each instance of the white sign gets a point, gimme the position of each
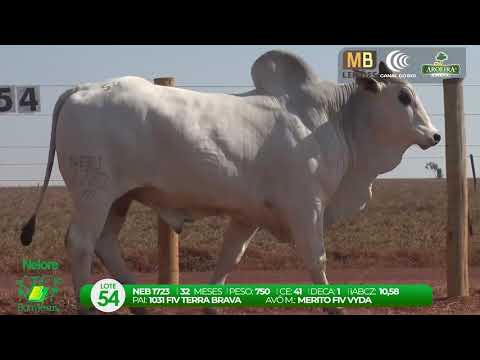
(7, 99)
(22, 99)
(28, 98)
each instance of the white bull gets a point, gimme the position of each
(292, 156)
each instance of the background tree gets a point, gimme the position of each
(435, 168)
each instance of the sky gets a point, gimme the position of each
(24, 139)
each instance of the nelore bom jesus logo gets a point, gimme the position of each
(39, 265)
(37, 293)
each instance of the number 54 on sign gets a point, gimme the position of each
(22, 99)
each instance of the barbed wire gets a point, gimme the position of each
(30, 180)
(46, 146)
(24, 146)
(209, 85)
(50, 115)
(404, 158)
(465, 114)
(23, 164)
(180, 86)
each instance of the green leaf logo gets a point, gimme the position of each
(38, 293)
(441, 57)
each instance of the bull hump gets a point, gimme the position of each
(87, 93)
(124, 82)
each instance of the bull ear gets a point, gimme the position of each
(367, 82)
(383, 68)
(279, 72)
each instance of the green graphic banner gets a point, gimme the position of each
(268, 295)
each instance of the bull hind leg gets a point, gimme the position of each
(87, 224)
(235, 242)
(108, 247)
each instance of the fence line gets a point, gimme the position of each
(186, 86)
(180, 86)
(27, 180)
(210, 85)
(48, 114)
(46, 146)
(404, 158)
(23, 164)
(24, 146)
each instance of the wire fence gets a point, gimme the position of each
(10, 164)
(5, 165)
(404, 158)
(219, 85)
(50, 115)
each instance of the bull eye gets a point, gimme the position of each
(405, 97)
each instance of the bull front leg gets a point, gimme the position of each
(235, 243)
(307, 228)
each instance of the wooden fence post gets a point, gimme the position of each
(168, 263)
(457, 228)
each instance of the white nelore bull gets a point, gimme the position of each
(292, 156)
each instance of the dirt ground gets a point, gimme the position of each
(400, 238)
(404, 226)
(434, 277)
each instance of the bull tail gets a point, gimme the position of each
(29, 228)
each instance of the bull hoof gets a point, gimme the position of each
(212, 311)
(335, 311)
(178, 230)
(83, 311)
(138, 311)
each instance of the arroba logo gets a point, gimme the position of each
(397, 61)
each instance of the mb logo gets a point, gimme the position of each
(359, 59)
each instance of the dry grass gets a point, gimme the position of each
(404, 225)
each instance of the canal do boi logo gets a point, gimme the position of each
(37, 293)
